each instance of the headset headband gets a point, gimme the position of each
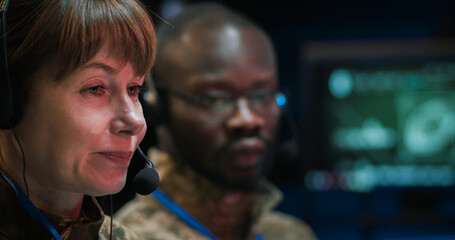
(10, 93)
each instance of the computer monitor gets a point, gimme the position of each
(378, 114)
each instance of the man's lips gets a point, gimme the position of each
(247, 144)
(118, 157)
(245, 160)
(245, 153)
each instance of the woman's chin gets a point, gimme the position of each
(107, 190)
(109, 186)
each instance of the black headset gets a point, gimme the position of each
(11, 97)
(156, 113)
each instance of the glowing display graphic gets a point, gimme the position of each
(386, 126)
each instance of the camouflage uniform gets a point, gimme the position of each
(17, 223)
(149, 218)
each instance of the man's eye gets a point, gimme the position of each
(213, 102)
(259, 96)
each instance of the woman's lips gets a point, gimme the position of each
(118, 157)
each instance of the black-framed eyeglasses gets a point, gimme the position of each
(261, 101)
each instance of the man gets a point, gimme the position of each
(217, 83)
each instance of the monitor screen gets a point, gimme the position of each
(378, 114)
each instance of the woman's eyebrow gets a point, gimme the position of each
(102, 66)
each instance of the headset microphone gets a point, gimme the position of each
(146, 180)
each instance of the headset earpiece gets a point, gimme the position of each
(11, 100)
(154, 105)
(11, 104)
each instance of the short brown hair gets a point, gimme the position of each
(68, 33)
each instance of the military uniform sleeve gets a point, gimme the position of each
(276, 225)
(150, 220)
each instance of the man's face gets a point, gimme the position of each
(227, 142)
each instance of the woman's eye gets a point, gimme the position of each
(96, 90)
(134, 90)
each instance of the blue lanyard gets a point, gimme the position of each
(184, 216)
(28, 205)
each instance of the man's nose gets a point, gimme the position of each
(129, 118)
(245, 121)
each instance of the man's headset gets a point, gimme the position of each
(155, 104)
(12, 106)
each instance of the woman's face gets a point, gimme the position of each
(80, 133)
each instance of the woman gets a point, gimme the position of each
(79, 65)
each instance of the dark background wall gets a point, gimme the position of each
(385, 213)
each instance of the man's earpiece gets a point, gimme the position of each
(154, 105)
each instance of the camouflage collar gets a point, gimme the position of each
(15, 219)
(190, 189)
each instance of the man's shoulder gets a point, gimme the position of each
(119, 231)
(122, 231)
(138, 208)
(278, 225)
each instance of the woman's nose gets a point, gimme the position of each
(129, 118)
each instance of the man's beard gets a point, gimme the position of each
(249, 183)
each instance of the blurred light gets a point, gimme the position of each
(342, 181)
(341, 83)
(429, 129)
(281, 99)
(309, 180)
(365, 176)
(170, 8)
(372, 135)
(319, 180)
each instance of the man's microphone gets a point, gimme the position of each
(146, 180)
